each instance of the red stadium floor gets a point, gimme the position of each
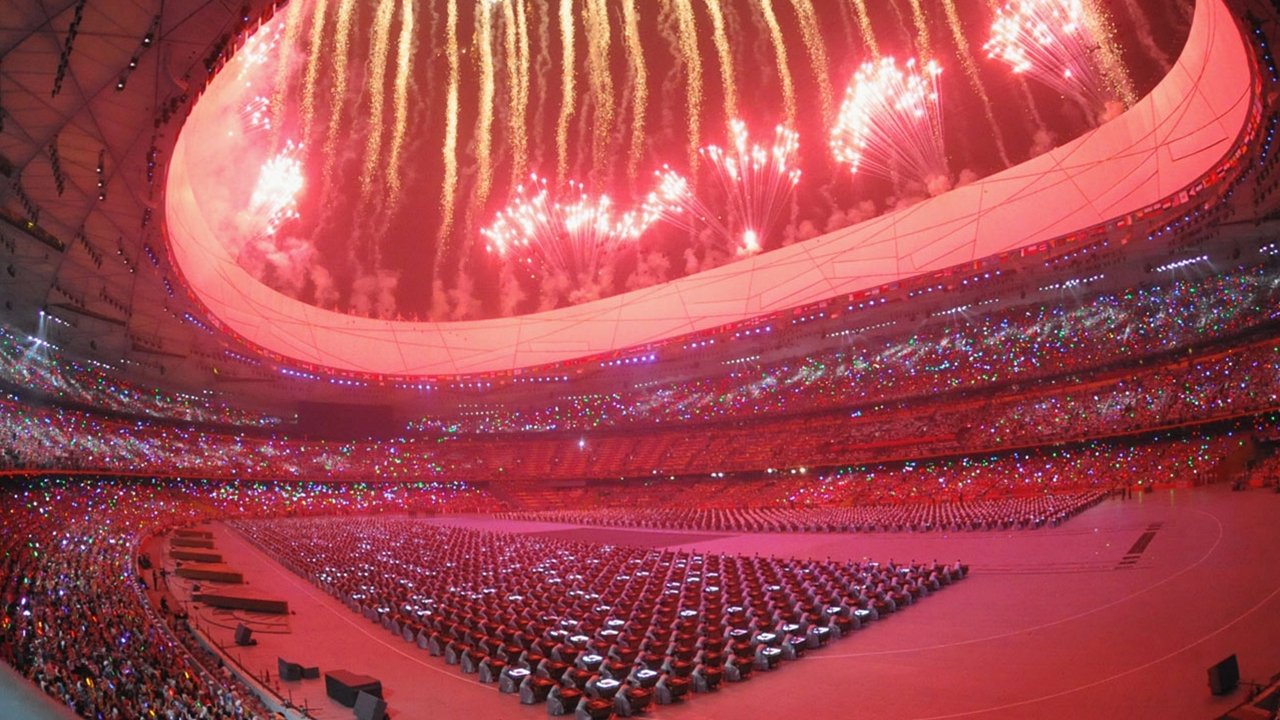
(1051, 623)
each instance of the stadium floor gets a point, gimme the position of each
(1054, 623)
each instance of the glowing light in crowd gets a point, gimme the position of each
(572, 236)
(280, 181)
(1050, 41)
(754, 183)
(891, 121)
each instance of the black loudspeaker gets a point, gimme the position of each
(370, 707)
(287, 670)
(244, 636)
(1224, 677)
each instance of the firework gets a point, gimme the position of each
(568, 95)
(256, 115)
(779, 40)
(817, 52)
(691, 61)
(891, 122)
(280, 181)
(449, 148)
(975, 80)
(865, 29)
(751, 184)
(724, 53)
(638, 80)
(573, 236)
(258, 51)
(1050, 41)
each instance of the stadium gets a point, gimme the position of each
(680, 359)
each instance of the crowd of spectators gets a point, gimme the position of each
(35, 366)
(1237, 383)
(606, 626)
(1016, 345)
(1007, 513)
(1016, 490)
(74, 618)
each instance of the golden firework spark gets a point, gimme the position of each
(725, 57)
(378, 52)
(404, 64)
(638, 79)
(516, 48)
(780, 54)
(568, 94)
(925, 46)
(691, 60)
(449, 150)
(484, 123)
(599, 40)
(864, 26)
(817, 51)
(293, 22)
(1112, 65)
(341, 58)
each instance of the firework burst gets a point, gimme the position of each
(280, 182)
(891, 121)
(573, 236)
(1050, 40)
(751, 184)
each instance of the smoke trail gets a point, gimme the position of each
(484, 123)
(817, 50)
(725, 57)
(780, 54)
(848, 31)
(404, 62)
(567, 92)
(1143, 28)
(902, 20)
(599, 39)
(671, 80)
(380, 49)
(864, 24)
(449, 186)
(975, 81)
(638, 79)
(691, 59)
